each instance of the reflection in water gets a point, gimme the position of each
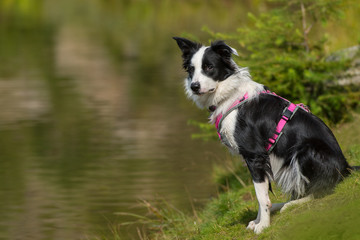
(27, 99)
(83, 58)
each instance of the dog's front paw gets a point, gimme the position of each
(260, 227)
(251, 225)
(257, 227)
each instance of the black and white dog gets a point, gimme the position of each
(302, 157)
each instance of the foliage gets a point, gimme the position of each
(284, 51)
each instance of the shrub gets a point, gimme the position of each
(285, 53)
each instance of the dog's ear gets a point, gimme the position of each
(224, 50)
(187, 47)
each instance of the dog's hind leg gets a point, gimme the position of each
(296, 202)
(263, 219)
(283, 206)
(276, 207)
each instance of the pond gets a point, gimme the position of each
(93, 115)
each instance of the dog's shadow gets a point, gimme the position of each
(246, 216)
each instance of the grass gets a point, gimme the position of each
(335, 216)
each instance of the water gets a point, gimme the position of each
(93, 115)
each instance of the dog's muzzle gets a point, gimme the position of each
(195, 87)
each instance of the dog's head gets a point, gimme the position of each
(206, 66)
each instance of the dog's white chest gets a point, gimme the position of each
(228, 132)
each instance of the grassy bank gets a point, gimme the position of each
(335, 216)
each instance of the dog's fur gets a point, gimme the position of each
(307, 161)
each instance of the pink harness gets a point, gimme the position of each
(287, 114)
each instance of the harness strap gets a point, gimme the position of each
(221, 117)
(286, 116)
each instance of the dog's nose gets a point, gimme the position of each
(195, 86)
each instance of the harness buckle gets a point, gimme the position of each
(287, 113)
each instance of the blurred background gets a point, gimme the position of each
(93, 115)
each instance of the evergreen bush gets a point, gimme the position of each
(284, 51)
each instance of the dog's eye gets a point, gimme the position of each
(208, 67)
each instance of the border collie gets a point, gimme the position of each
(279, 141)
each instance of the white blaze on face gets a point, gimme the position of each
(206, 84)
